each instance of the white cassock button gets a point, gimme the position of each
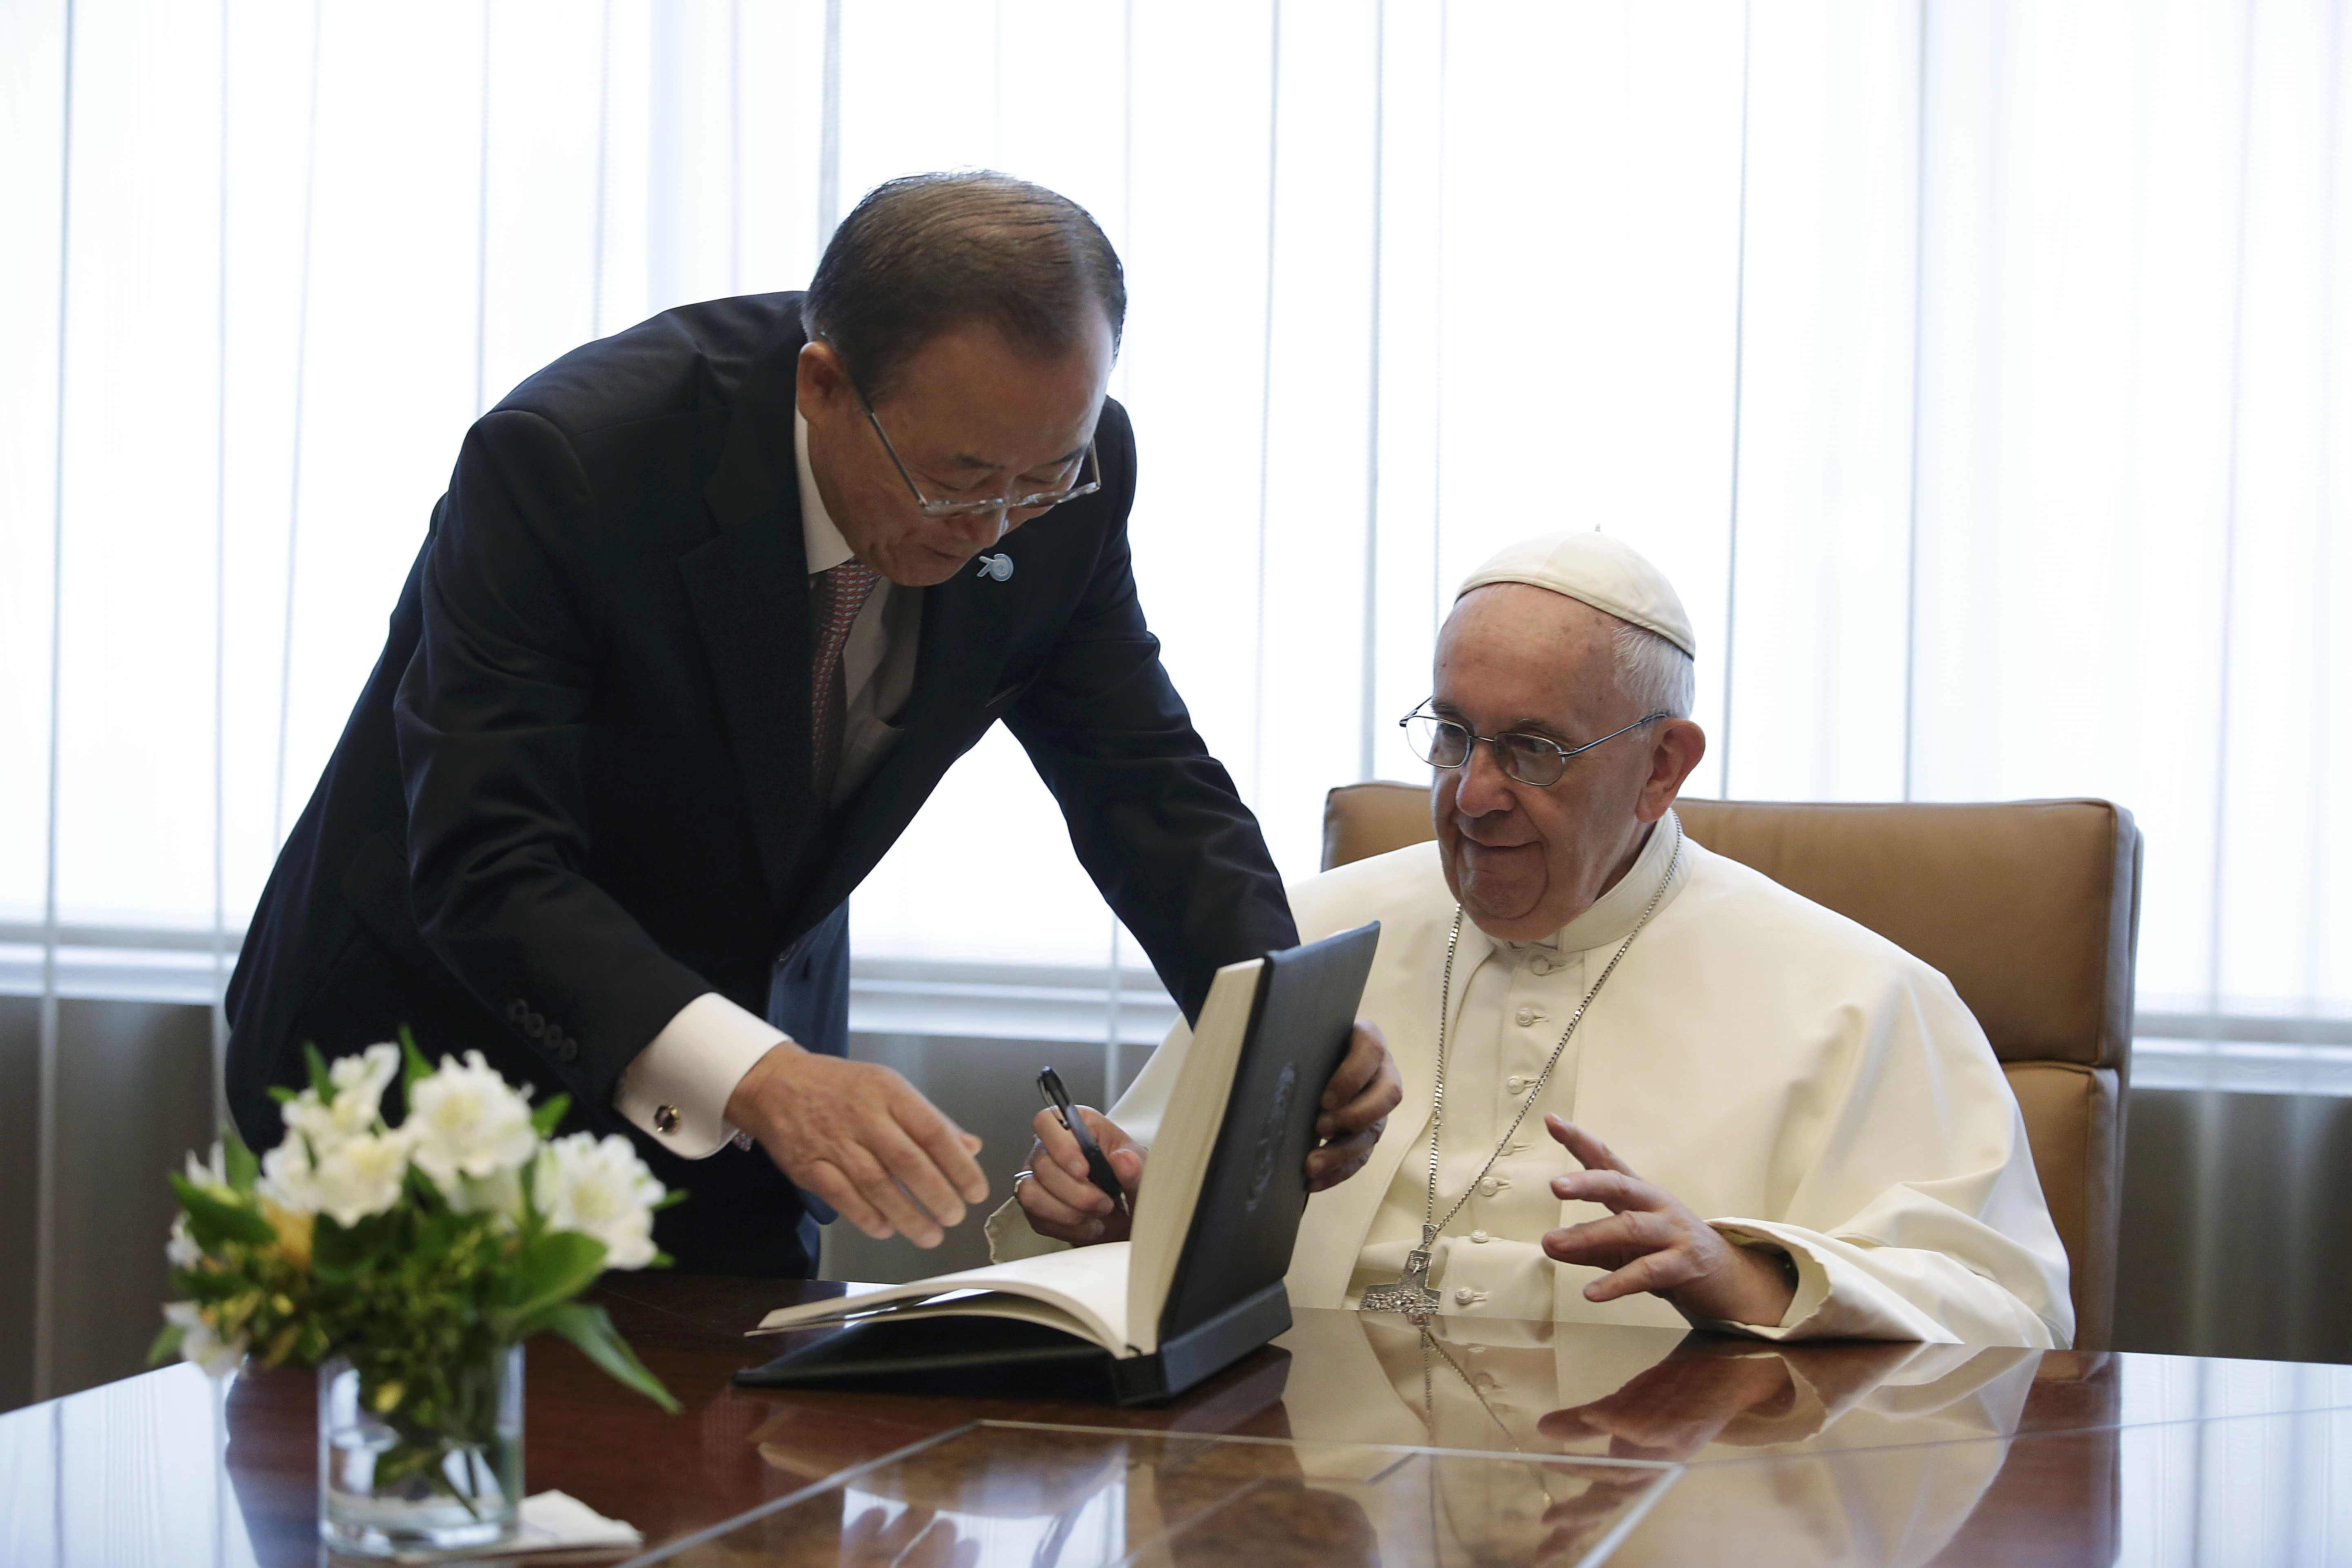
(1542, 965)
(1464, 1296)
(1480, 1237)
(1515, 1084)
(1527, 1017)
(1490, 1186)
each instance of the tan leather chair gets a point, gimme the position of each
(2030, 909)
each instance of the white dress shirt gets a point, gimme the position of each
(678, 1088)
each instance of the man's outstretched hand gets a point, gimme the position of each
(861, 1137)
(1651, 1241)
(1061, 1203)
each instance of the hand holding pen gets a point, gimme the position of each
(1083, 1170)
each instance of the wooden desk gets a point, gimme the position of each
(1510, 1443)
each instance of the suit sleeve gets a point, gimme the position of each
(491, 720)
(1921, 1217)
(1154, 818)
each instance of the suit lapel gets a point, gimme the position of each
(960, 654)
(749, 588)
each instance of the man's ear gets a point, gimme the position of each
(1677, 750)
(819, 380)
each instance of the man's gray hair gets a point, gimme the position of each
(926, 252)
(1659, 677)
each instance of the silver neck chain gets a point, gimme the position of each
(1432, 1226)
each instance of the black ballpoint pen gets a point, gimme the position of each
(1057, 1101)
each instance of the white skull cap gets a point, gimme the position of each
(1607, 574)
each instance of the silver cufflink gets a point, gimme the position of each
(996, 568)
(665, 1117)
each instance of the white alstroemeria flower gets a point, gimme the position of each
(287, 1178)
(200, 1344)
(600, 1189)
(182, 1251)
(466, 1121)
(212, 1176)
(500, 1195)
(360, 1176)
(358, 1084)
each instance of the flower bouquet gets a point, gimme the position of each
(408, 1264)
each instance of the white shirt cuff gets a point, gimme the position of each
(676, 1089)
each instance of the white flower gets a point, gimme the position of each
(358, 1084)
(360, 1176)
(500, 1195)
(602, 1190)
(464, 1122)
(212, 1174)
(182, 1251)
(287, 1178)
(200, 1344)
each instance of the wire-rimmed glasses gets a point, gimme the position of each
(1444, 743)
(1089, 481)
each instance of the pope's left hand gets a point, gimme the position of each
(1356, 1106)
(1651, 1241)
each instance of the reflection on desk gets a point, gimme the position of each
(1061, 1494)
(1357, 1440)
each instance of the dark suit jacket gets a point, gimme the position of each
(575, 792)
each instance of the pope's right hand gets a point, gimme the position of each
(861, 1137)
(1059, 1199)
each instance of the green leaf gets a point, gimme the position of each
(212, 1221)
(412, 1063)
(670, 1199)
(242, 1166)
(336, 1250)
(167, 1345)
(320, 1084)
(282, 1095)
(553, 1269)
(593, 1331)
(544, 1120)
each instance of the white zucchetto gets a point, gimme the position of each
(1607, 574)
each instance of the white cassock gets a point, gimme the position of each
(1791, 1076)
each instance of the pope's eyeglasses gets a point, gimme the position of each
(1531, 759)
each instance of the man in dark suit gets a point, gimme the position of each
(703, 619)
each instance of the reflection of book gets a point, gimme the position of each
(1214, 1220)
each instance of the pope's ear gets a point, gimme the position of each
(1679, 746)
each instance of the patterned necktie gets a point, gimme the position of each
(841, 591)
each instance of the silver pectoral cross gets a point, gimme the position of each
(1410, 1293)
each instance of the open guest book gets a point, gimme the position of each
(1199, 1284)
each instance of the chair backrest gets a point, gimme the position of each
(2029, 907)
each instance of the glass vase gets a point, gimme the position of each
(389, 1484)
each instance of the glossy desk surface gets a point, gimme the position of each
(1364, 1443)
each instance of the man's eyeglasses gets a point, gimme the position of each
(1531, 759)
(1089, 480)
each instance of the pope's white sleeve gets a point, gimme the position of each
(1850, 1291)
(690, 1070)
(1916, 1212)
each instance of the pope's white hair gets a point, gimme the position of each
(1658, 675)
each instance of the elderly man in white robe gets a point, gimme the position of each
(1643, 1083)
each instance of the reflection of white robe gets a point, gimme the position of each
(1931, 1421)
(1786, 1073)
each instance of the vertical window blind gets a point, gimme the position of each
(1977, 372)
